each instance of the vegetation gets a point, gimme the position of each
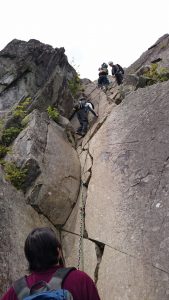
(53, 113)
(25, 121)
(1, 123)
(3, 151)
(20, 110)
(9, 135)
(75, 85)
(156, 75)
(14, 174)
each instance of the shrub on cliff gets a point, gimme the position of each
(53, 113)
(156, 75)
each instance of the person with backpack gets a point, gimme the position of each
(103, 72)
(117, 71)
(44, 255)
(82, 109)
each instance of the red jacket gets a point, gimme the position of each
(77, 282)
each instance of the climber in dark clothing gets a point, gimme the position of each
(117, 71)
(103, 72)
(82, 109)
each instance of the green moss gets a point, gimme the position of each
(53, 113)
(9, 135)
(75, 85)
(3, 151)
(14, 174)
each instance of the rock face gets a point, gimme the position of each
(158, 52)
(52, 183)
(16, 221)
(38, 70)
(130, 202)
(121, 206)
(38, 74)
(126, 201)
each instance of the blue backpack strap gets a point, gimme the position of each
(21, 289)
(59, 276)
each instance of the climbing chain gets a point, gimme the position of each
(82, 221)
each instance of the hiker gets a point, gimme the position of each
(117, 71)
(103, 72)
(82, 109)
(44, 255)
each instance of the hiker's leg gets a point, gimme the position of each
(79, 130)
(119, 78)
(100, 81)
(85, 125)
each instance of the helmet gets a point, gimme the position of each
(110, 63)
(104, 65)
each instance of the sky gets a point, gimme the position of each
(91, 31)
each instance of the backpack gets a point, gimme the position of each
(119, 69)
(46, 291)
(91, 104)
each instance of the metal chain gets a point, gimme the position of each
(82, 223)
(82, 217)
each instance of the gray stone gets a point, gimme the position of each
(158, 50)
(127, 277)
(38, 70)
(16, 221)
(126, 206)
(54, 169)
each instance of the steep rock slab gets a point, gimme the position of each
(158, 52)
(53, 167)
(16, 220)
(35, 69)
(125, 277)
(127, 203)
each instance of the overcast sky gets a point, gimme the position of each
(91, 31)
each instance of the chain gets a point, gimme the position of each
(82, 217)
(82, 223)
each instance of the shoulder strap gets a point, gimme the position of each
(21, 289)
(58, 277)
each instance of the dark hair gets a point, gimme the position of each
(41, 249)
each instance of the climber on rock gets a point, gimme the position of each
(117, 71)
(103, 72)
(82, 108)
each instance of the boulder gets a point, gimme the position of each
(53, 178)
